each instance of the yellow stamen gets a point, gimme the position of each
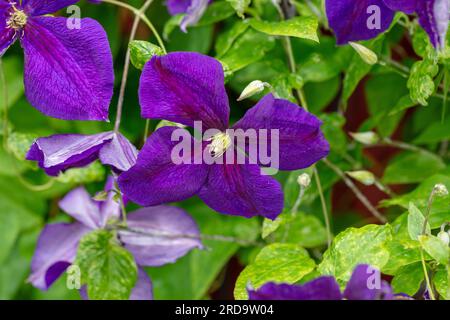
(219, 144)
(17, 20)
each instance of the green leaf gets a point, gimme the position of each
(226, 39)
(408, 279)
(420, 82)
(358, 68)
(299, 27)
(302, 229)
(278, 262)
(143, 51)
(402, 252)
(9, 230)
(19, 144)
(106, 267)
(435, 248)
(239, 6)
(248, 48)
(354, 246)
(216, 11)
(441, 280)
(13, 70)
(416, 221)
(412, 167)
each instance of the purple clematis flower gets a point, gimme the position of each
(57, 245)
(68, 70)
(365, 19)
(187, 87)
(360, 287)
(58, 153)
(193, 10)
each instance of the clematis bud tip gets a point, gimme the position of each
(440, 190)
(367, 138)
(365, 177)
(253, 88)
(365, 53)
(304, 180)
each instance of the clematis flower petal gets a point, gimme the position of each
(184, 87)
(79, 204)
(358, 288)
(407, 6)
(155, 178)
(322, 288)
(60, 152)
(433, 17)
(41, 7)
(301, 143)
(55, 251)
(242, 190)
(143, 290)
(162, 235)
(68, 72)
(193, 13)
(178, 6)
(110, 208)
(358, 20)
(119, 153)
(7, 35)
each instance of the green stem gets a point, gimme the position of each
(324, 207)
(143, 17)
(427, 278)
(5, 105)
(163, 234)
(356, 191)
(126, 66)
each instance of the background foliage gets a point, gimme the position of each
(402, 98)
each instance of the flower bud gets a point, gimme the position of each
(440, 190)
(367, 138)
(444, 237)
(365, 53)
(304, 180)
(253, 88)
(365, 177)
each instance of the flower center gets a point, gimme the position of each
(219, 144)
(17, 20)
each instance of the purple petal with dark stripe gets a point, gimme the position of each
(7, 35)
(55, 251)
(155, 178)
(241, 189)
(68, 72)
(323, 288)
(184, 87)
(301, 142)
(60, 152)
(358, 20)
(177, 6)
(366, 284)
(433, 17)
(160, 235)
(193, 13)
(119, 153)
(41, 7)
(79, 204)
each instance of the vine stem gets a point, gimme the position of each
(126, 66)
(301, 99)
(5, 105)
(356, 191)
(143, 17)
(221, 238)
(427, 278)
(324, 207)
